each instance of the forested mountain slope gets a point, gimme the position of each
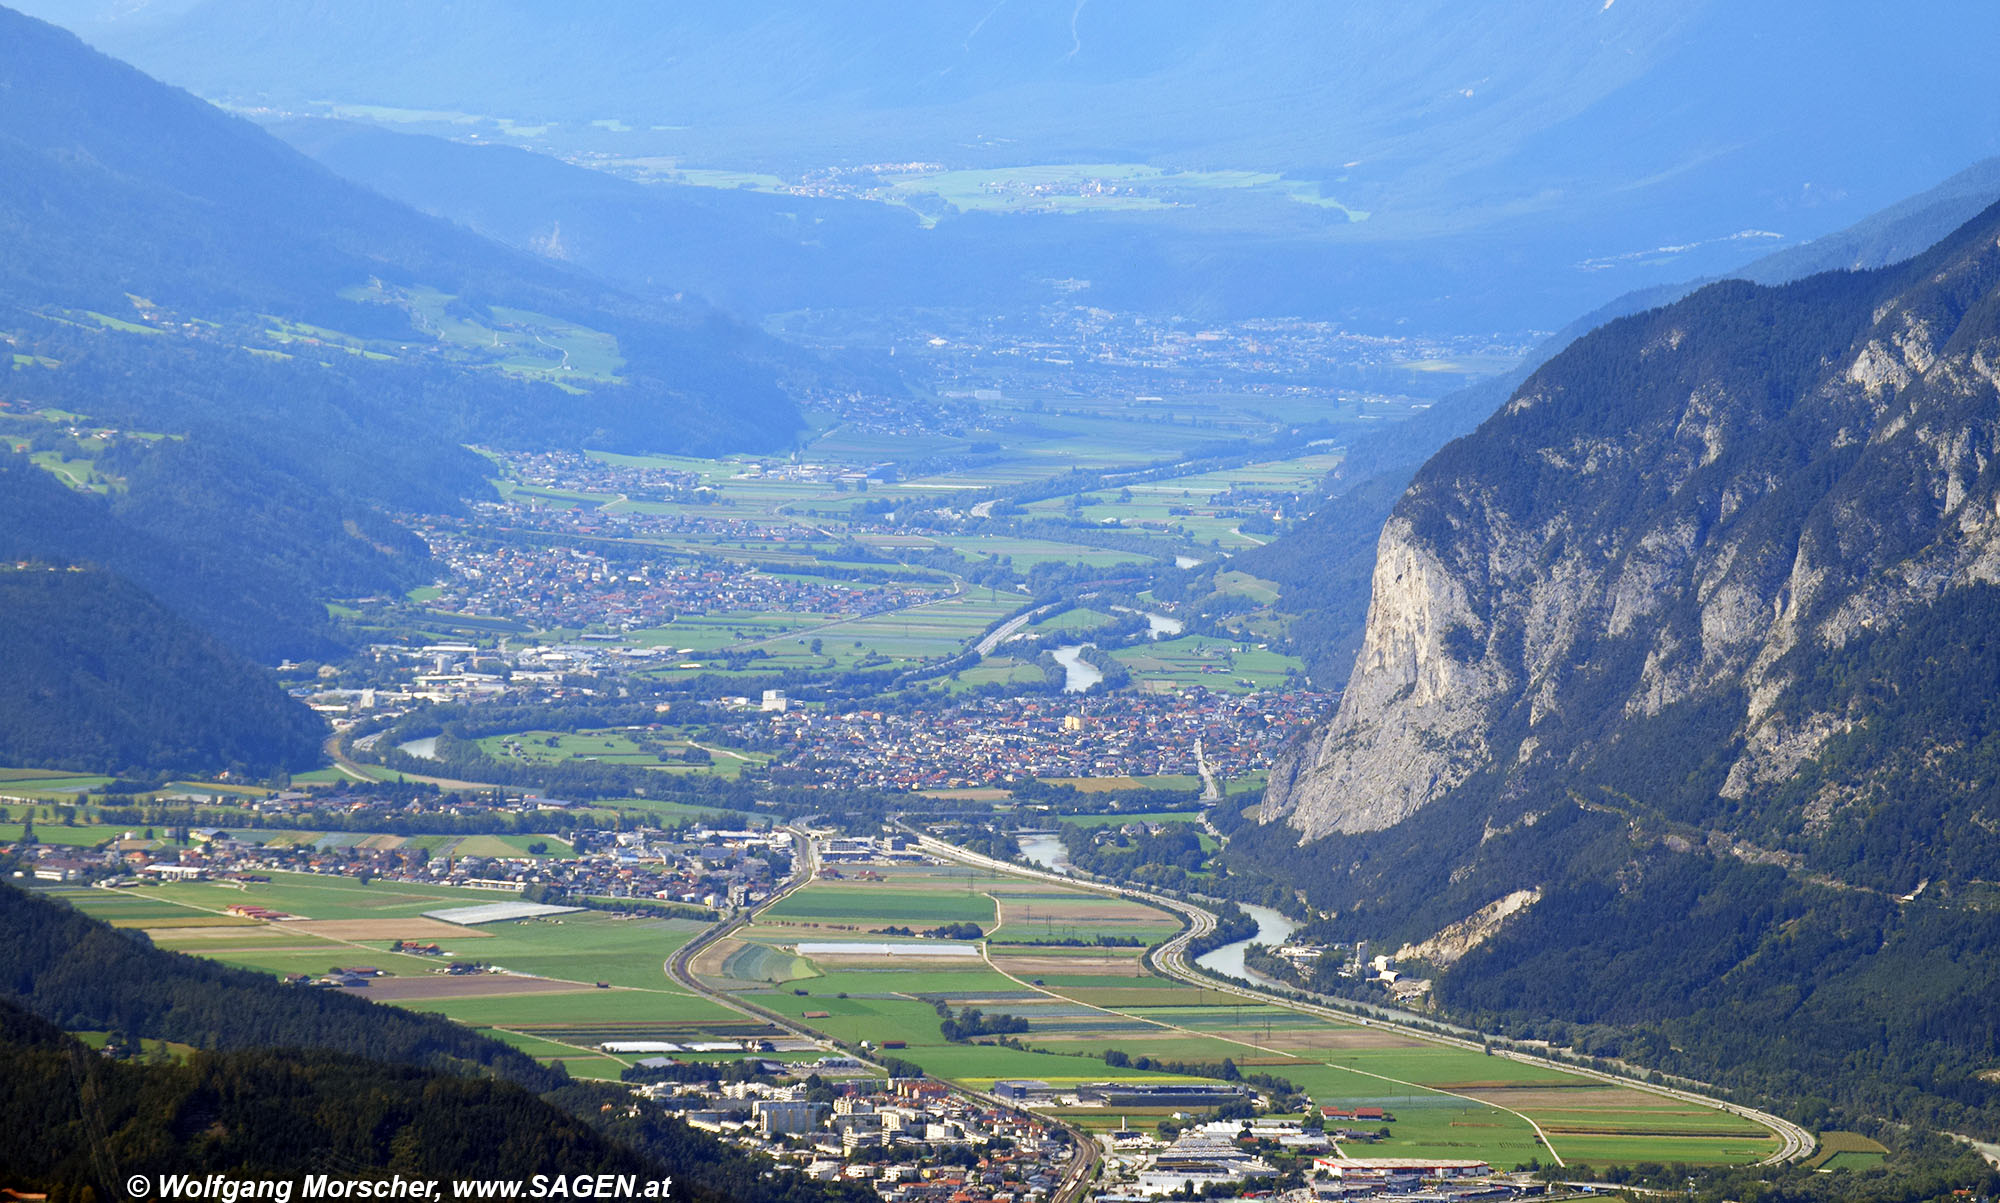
(84, 975)
(289, 1081)
(249, 366)
(119, 187)
(1326, 565)
(1697, 637)
(99, 676)
(70, 1114)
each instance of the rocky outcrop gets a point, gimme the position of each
(1691, 506)
(1447, 947)
(1413, 726)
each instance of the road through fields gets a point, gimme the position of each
(1084, 1154)
(1170, 958)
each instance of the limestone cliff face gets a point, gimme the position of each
(1691, 507)
(1413, 720)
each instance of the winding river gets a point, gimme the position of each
(1157, 625)
(1272, 929)
(427, 748)
(1078, 674)
(1044, 849)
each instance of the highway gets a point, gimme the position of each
(805, 866)
(1084, 1152)
(1001, 633)
(1170, 958)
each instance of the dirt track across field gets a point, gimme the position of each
(472, 985)
(413, 927)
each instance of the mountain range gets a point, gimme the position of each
(123, 191)
(101, 676)
(227, 367)
(1513, 164)
(1684, 661)
(1325, 566)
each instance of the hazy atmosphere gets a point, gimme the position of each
(1010, 601)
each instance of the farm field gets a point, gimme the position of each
(1847, 1151)
(46, 784)
(80, 836)
(1202, 508)
(1106, 785)
(998, 670)
(923, 900)
(1067, 962)
(555, 980)
(1080, 999)
(622, 1010)
(901, 637)
(666, 811)
(337, 916)
(1219, 664)
(309, 895)
(1024, 553)
(1079, 621)
(935, 630)
(694, 634)
(664, 751)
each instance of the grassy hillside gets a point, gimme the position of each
(141, 203)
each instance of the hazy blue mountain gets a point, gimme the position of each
(1523, 161)
(298, 354)
(750, 251)
(119, 187)
(1899, 232)
(758, 253)
(1327, 564)
(878, 80)
(1694, 641)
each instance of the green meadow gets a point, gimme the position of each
(1081, 1002)
(885, 906)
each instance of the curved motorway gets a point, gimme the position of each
(1170, 958)
(1084, 1151)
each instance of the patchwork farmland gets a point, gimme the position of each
(878, 958)
(1070, 963)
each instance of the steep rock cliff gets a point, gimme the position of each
(1693, 503)
(1697, 642)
